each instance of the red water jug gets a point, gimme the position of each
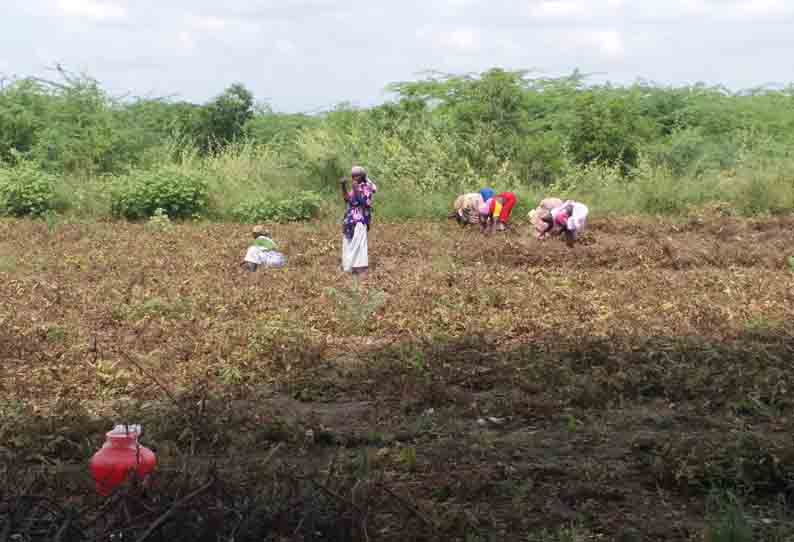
(120, 456)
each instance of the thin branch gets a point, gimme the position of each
(151, 377)
(63, 529)
(332, 465)
(330, 492)
(181, 502)
(413, 509)
(47, 82)
(6, 532)
(276, 448)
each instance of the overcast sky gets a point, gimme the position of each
(304, 55)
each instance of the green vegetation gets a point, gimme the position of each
(180, 193)
(26, 190)
(302, 205)
(729, 523)
(642, 148)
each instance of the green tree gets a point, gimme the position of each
(224, 118)
(23, 114)
(609, 128)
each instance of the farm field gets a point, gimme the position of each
(637, 387)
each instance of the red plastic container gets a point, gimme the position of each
(120, 456)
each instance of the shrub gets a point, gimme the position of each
(179, 192)
(679, 152)
(304, 205)
(27, 190)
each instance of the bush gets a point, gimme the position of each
(609, 129)
(304, 205)
(679, 152)
(179, 192)
(26, 190)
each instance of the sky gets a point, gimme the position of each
(308, 55)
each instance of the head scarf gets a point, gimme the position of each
(358, 171)
(487, 193)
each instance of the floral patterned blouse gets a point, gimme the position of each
(359, 207)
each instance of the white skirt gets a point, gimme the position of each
(354, 251)
(266, 258)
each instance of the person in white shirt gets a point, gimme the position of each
(569, 219)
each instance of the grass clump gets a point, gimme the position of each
(357, 305)
(729, 523)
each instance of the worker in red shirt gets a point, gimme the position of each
(496, 211)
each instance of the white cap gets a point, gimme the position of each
(124, 430)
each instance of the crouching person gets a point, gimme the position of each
(263, 252)
(568, 219)
(467, 208)
(536, 215)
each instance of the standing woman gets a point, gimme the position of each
(355, 229)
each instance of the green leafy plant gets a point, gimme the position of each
(302, 206)
(55, 334)
(27, 190)
(230, 375)
(159, 221)
(729, 522)
(179, 192)
(51, 218)
(157, 307)
(407, 458)
(357, 305)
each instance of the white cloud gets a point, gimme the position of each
(555, 9)
(763, 8)
(210, 23)
(609, 42)
(461, 39)
(92, 9)
(285, 46)
(459, 4)
(733, 10)
(696, 6)
(423, 31)
(186, 41)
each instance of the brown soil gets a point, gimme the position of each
(505, 387)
